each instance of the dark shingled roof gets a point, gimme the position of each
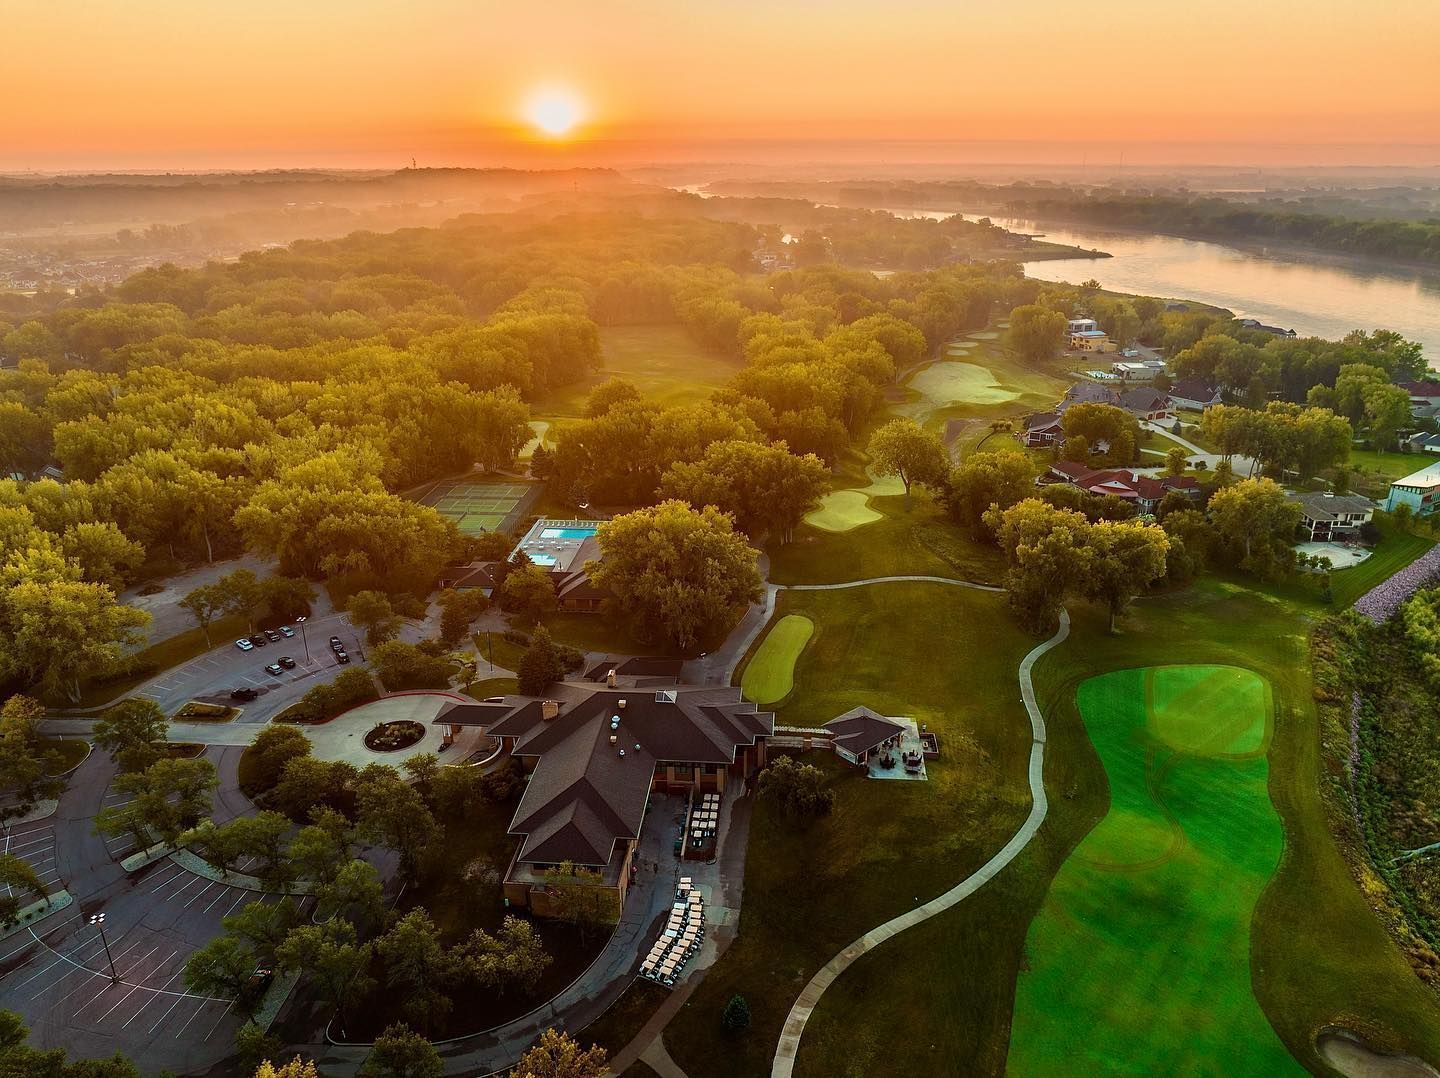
(583, 795)
(859, 730)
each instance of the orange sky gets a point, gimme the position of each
(265, 83)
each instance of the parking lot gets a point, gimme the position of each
(59, 978)
(214, 674)
(35, 845)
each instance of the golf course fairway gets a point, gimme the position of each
(1139, 960)
(770, 673)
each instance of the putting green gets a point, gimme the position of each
(950, 382)
(841, 510)
(1139, 960)
(984, 335)
(770, 673)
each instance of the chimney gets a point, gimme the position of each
(614, 739)
(610, 678)
(549, 709)
(622, 704)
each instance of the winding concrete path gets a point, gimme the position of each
(892, 580)
(809, 998)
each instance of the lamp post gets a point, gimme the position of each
(98, 920)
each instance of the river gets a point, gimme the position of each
(1311, 294)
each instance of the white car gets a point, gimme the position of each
(286, 631)
(244, 644)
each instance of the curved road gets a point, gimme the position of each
(809, 998)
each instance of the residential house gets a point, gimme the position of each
(1141, 370)
(1424, 398)
(1087, 393)
(595, 755)
(1419, 490)
(1331, 516)
(1146, 492)
(1423, 442)
(1147, 404)
(1041, 429)
(1193, 394)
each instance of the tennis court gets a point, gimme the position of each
(477, 507)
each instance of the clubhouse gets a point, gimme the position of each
(595, 752)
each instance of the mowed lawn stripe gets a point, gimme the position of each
(770, 674)
(1140, 957)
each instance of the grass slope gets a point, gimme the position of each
(665, 364)
(769, 675)
(1155, 905)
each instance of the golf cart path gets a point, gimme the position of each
(892, 580)
(809, 998)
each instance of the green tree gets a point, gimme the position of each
(254, 1046)
(1036, 333)
(736, 1017)
(581, 897)
(19, 1060)
(241, 594)
(766, 488)
(263, 837)
(391, 812)
(1047, 554)
(903, 448)
(406, 666)
(514, 960)
(1126, 557)
(559, 1055)
(458, 609)
(1254, 517)
(355, 893)
(371, 611)
(798, 790)
(166, 799)
(332, 956)
(1091, 425)
(133, 732)
(678, 572)
(999, 478)
(401, 1053)
(18, 877)
(26, 766)
(528, 593)
(273, 748)
(222, 967)
(1387, 412)
(540, 666)
(205, 604)
(1176, 461)
(417, 969)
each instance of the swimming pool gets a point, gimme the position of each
(567, 533)
(547, 560)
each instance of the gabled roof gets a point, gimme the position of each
(587, 793)
(1421, 389)
(1319, 506)
(1194, 389)
(1144, 400)
(1041, 421)
(1089, 393)
(859, 730)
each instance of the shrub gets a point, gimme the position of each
(736, 1018)
(797, 789)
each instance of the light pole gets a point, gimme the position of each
(305, 640)
(98, 920)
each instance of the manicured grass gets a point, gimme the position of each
(68, 753)
(492, 686)
(1390, 465)
(1397, 550)
(918, 541)
(982, 382)
(664, 362)
(1165, 952)
(157, 658)
(493, 647)
(811, 888)
(769, 675)
(1318, 955)
(842, 510)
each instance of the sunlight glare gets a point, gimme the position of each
(554, 112)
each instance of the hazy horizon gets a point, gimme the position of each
(160, 85)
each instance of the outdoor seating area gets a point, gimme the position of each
(901, 756)
(680, 939)
(702, 825)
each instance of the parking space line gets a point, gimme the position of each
(132, 991)
(200, 894)
(218, 898)
(238, 899)
(193, 1017)
(219, 1020)
(21, 845)
(161, 1020)
(168, 879)
(154, 994)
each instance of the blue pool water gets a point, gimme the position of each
(546, 560)
(567, 533)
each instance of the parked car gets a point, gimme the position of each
(271, 635)
(342, 658)
(287, 662)
(335, 644)
(245, 693)
(274, 669)
(286, 632)
(259, 640)
(244, 644)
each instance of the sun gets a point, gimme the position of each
(554, 112)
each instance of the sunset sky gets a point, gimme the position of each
(266, 83)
